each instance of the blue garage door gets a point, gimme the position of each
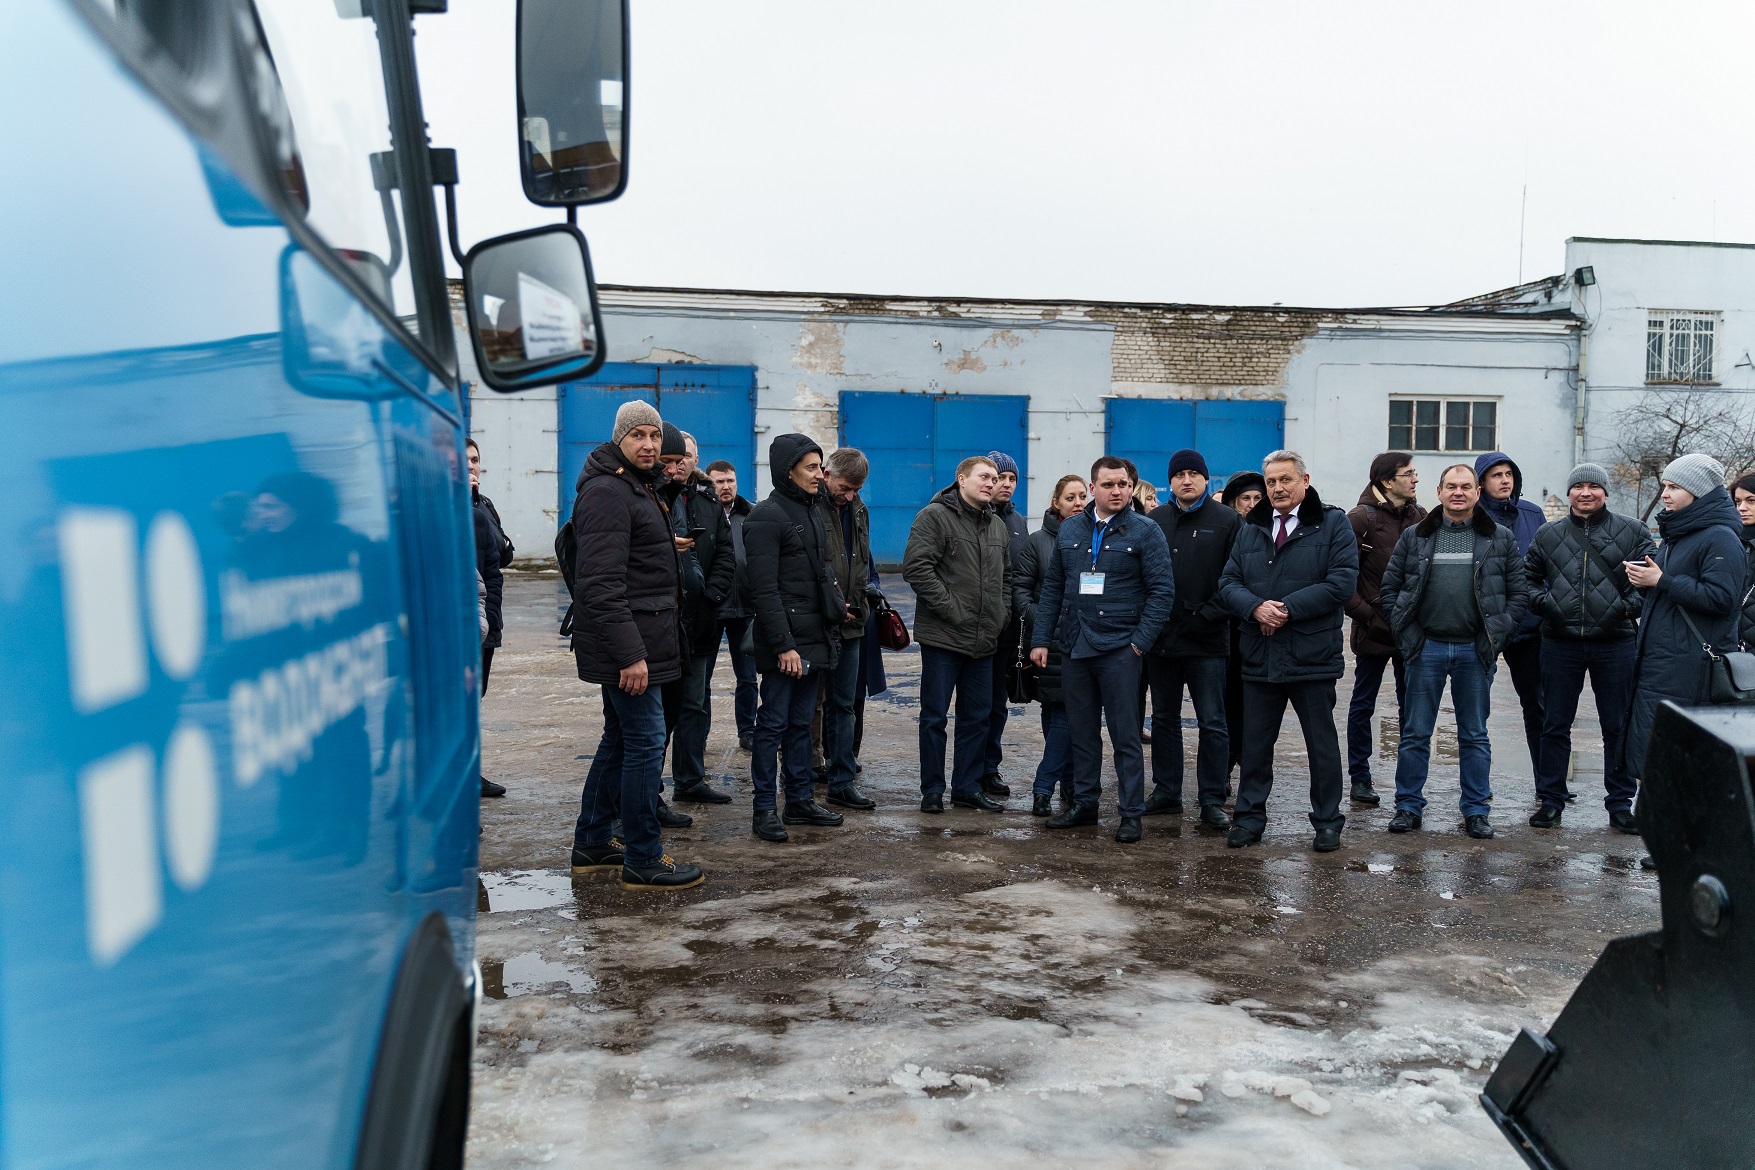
(1232, 435)
(915, 441)
(716, 404)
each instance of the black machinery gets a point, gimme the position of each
(1652, 1062)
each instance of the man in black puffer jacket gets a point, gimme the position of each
(1294, 565)
(1589, 611)
(1454, 593)
(799, 613)
(626, 637)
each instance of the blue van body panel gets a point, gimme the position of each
(238, 718)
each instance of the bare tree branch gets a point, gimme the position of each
(1667, 424)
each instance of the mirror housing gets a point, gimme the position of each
(572, 100)
(532, 302)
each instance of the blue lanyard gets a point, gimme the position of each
(1098, 531)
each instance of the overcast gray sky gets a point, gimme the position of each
(1239, 153)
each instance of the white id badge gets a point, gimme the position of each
(1091, 584)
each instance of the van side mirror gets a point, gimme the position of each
(533, 313)
(573, 100)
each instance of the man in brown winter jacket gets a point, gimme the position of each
(1386, 507)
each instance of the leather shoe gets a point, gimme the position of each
(1213, 816)
(994, 785)
(1477, 827)
(1042, 806)
(1622, 820)
(1239, 837)
(1363, 793)
(1647, 862)
(699, 792)
(1129, 832)
(849, 796)
(1078, 814)
(809, 812)
(745, 744)
(489, 788)
(1404, 821)
(766, 825)
(977, 799)
(1546, 817)
(669, 818)
(1161, 803)
(1327, 840)
(932, 804)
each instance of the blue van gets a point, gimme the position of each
(238, 714)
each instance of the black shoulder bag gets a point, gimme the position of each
(1731, 675)
(1022, 683)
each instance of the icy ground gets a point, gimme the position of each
(969, 990)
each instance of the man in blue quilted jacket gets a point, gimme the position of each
(1108, 589)
(1293, 567)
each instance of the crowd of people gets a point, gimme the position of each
(1236, 597)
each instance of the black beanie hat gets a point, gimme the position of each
(673, 441)
(1188, 460)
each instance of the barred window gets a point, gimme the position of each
(1678, 346)
(1431, 424)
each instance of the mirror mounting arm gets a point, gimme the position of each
(572, 215)
(442, 161)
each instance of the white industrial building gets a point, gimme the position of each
(1538, 370)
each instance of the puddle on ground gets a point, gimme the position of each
(526, 889)
(528, 973)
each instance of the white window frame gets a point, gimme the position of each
(1445, 402)
(1674, 355)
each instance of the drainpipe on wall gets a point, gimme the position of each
(1578, 412)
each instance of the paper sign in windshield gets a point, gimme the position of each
(551, 320)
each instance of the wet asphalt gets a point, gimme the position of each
(1388, 975)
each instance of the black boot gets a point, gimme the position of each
(1546, 817)
(1404, 821)
(669, 818)
(932, 804)
(1621, 820)
(699, 792)
(593, 858)
(1078, 814)
(1161, 802)
(489, 788)
(1363, 793)
(1129, 831)
(809, 812)
(766, 825)
(1240, 837)
(1042, 806)
(664, 876)
(994, 785)
(849, 796)
(1213, 816)
(977, 799)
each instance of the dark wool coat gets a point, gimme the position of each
(493, 552)
(851, 574)
(626, 577)
(696, 505)
(1028, 571)
(1704, 569)
(736, 603)
(958, 562)
(1570, 591)
(1139, 585)
(796, 605)
(1502, 594)
(1377, 526)
(1314, 575)
(1200, 543)
(1746, 622)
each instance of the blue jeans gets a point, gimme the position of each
(1204, 676)
(624, 777)
(1564, 663)
(743, 668)
(941, 672)
(1367, 681)
(843, 682)
(1055, 769)
(1471, 688)
(783, 739)
(1105, 687)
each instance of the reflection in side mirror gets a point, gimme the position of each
(573, 100)
(533, 308)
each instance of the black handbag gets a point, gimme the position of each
(1022, 683)
(1730, 675)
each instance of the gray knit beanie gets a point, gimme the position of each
(1695, 474)
(633, 413)
(1588, 473)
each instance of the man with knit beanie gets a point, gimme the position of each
(626, 638)
(1191, 649)
(1006, 656)
(1589, 613)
